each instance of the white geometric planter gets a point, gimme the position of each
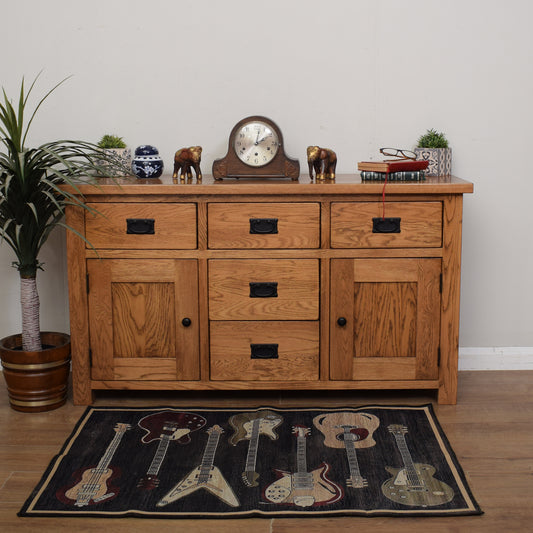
(440, 160)
(121, 155)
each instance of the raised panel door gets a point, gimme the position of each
(385, 319)
(144, 319)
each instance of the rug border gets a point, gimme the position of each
(428, 407)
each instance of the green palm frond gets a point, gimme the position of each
(32, 197)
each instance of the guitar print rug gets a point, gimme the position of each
(172, 462)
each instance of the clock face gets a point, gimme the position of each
(256, 144)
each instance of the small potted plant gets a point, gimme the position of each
(32, 203)
(115, 147)
(433, 147)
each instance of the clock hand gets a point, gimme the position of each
(258, 142)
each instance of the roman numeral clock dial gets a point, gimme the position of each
(256, 151)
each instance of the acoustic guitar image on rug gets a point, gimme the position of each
(349, 431)
(91, 485)
(205, 476)
(166, 426)
(413, 484)
(303, 488)
(250, 426)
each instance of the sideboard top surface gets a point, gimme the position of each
(343, 184)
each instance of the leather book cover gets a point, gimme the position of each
(402, 165)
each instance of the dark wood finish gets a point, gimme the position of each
(281, 166)
(36, 380)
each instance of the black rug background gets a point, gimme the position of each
(93, 433)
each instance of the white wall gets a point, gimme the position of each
(352, 75)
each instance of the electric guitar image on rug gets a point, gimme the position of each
(303, 488)
(92, 483)
(413, 484)
(250, 426)
(206, 476)
(349, 431)
(166, 426)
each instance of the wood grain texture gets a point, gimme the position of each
(297, 289)
(392, 310)
(386, 286)
(489, 429)
(298, 349)
(174, 225)
(385, 319)
(351, 225)
(137, 308)
(78, 306)
(451, 288)
(297, 225)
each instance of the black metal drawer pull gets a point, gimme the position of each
(266, 289)
(264, 351)
(140, 226)
(386, 225)
(263, 226)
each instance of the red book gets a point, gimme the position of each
(401, 165)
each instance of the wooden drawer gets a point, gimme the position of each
(264, 351)
(263, 289)
(142, 226)
(419, 225)
(263, 225)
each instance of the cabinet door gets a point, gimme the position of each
(138, 311)
(385, 319)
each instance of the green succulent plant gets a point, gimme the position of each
(33, 197)
(111, 141)
(432, 139)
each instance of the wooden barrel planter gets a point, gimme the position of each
(36, 381)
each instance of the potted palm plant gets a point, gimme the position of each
(32, 202)
(433, 147)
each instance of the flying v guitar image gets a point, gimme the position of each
(413, 484)
(250, 426)
(349, 431)
(303, 488)
(205, 476)
(166, 426)
(91, 484)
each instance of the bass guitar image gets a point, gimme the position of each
(349, 431)
(205, 476)
(250, 426)
(166, 426)
(91, 485)
(413, 484)
(303, 488)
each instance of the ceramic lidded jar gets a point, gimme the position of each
(147, 162)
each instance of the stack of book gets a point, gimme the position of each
(400, 170)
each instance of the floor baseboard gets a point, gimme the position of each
(496, 358)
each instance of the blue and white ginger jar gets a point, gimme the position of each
(147, 162)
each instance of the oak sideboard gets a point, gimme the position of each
(249, 284)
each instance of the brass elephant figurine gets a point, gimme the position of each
(323, 161)
(184, 160)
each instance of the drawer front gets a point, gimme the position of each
(263, 289)
(264, 351)
(407, 225)
(142, 226)
(263, 225)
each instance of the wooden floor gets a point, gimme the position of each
(490, 429)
